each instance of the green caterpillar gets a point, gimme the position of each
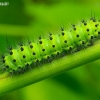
(20, 59)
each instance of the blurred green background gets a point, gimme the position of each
(32, 18)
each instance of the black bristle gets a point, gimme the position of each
(11, 52)
(83, 21)
(50, 33)
(22, 49)
(31, 46)
(62, 28)
(51, 38)
(3, 56)
(40, 38)
(73, 25)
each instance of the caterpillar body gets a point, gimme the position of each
(18, 60)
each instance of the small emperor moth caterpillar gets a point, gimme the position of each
(20, 59)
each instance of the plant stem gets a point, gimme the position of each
(44, 71)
